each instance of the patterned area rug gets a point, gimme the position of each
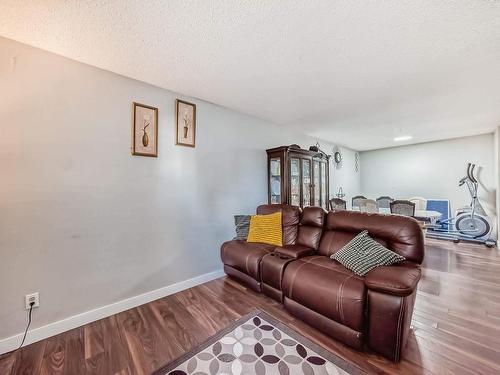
(259, 344)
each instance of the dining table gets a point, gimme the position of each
(423, 215)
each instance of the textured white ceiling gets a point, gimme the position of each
(356, 73)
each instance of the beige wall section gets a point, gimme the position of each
(85, 223)
(432, 170)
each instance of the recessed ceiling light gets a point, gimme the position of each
(403, 138)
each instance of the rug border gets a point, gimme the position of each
(336, 360)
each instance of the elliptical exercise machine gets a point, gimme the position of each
(471, 223)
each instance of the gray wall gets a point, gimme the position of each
(85, 223)
(432, 170)
(346, 176)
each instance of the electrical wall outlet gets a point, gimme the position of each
(34, 297)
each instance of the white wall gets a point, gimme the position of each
(432, 170)
(85, 223)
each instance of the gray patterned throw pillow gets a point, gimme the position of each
(242, 224)
(363, 253)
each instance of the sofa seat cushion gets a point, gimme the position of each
(245, 256)
(328, 288)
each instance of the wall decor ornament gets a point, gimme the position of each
(356, 162)
(145, 130)
(185, 123)
(337, 156)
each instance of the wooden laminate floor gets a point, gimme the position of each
(456, 325)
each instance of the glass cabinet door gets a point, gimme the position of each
(297, 177)
(306, 182)
(320, 179)
(324, 190)
(317, 184)
(275, 179)
(294, 182)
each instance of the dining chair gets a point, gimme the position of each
(384, 201)
(420, 202)
(368, 205)
(402, 207)
(356, 201)
(338, 204)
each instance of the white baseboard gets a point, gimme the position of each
(51, 329)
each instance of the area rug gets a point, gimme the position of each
(259, 344)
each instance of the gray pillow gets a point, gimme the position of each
(242, 225)
(363, 253)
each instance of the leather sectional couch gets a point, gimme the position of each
(373, 311)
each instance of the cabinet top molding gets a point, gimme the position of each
(293, 148)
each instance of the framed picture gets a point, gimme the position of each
(145, 130)
(186, 123)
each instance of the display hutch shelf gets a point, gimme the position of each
(298, 177)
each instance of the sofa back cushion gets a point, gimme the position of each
(290, 219)
(311, 227)
(400, 234)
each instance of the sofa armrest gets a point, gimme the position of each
(396, 280)
(295, 251)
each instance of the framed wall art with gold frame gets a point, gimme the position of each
(145, 130)
(185, 134)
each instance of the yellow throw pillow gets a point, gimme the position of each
(266, 229)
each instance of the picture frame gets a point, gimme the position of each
(185, 129)
(145, 130)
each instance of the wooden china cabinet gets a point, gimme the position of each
(298, 177)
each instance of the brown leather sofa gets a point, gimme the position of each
(374, 310)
